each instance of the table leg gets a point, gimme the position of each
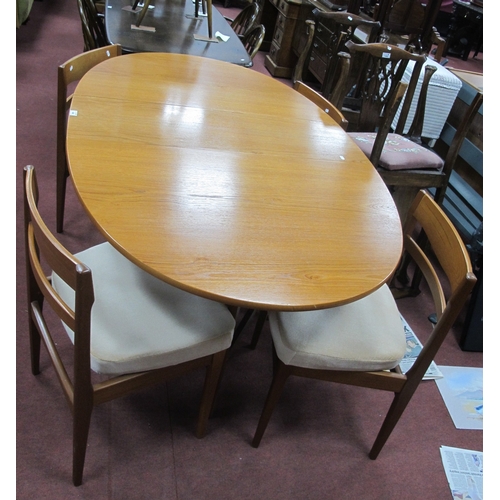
(143, 11)
(209, 17)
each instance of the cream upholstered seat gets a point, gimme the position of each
(134, 329)
(330, 338)
(140, 322)
(363, 342)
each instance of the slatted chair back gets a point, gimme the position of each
(253, 38)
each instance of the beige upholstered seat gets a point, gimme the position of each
(363, 342)
(140, 322)
(363, 336)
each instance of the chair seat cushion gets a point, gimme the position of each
(399, 153)
(139, 322)
(365, 335)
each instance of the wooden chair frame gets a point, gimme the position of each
(450, 254)
(94, 32)
(68, 73)
(253, 38)
(82, 394)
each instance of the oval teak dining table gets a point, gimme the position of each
(229, 184)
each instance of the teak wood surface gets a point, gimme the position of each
(229, 184)
(175, 27)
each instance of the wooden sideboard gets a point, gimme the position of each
(280, 19)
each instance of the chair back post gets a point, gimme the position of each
(304, 55)
(415, 75)
(415, 130)
(340, 89)
(390, 111)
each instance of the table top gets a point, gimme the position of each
(175, 26)
(229, 184)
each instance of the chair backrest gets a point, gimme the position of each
(450, 254)
(44, 250)
(94, 32)
(321, 102)
(375, 70)
(245, 19)
(69, 72)
(253, 38)
(331, 31)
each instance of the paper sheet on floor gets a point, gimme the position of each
(462, 391)
(464, 472)
(413, 348)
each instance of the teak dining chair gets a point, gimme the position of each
(126, 325)
(69, 72)
(321, 102)
(362, 343)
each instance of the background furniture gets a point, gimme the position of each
(374, 73)
(253, 38)
(280, 18)
(245, 19)
(172, 27)
(23, 8)
(332, 31)
(232, 157)
(94, 33)
(465, 31)
(444, 87)
(126, 325)
(463, 198)
(362, 343)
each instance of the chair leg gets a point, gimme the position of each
(35, 342)
(81, 424)
(241, 325)
(399, 403)
(60, 198)
(258, 329)
(211, 385)
(281, 374)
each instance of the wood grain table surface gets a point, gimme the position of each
(229, 184)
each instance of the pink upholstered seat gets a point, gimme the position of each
(398, 153)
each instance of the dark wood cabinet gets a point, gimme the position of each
(280, 18)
